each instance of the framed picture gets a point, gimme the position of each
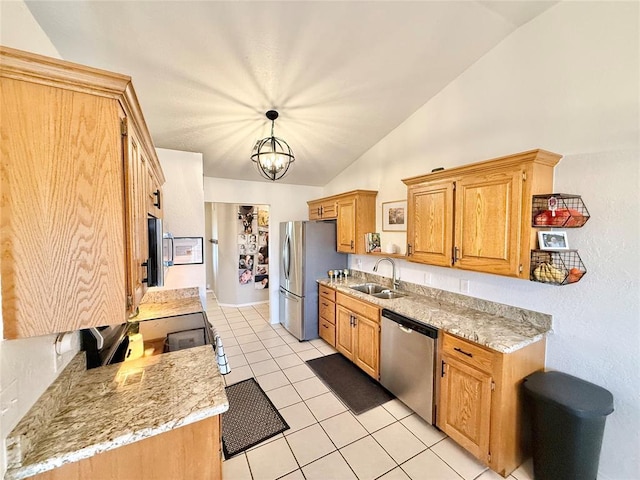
(187, 250)
(553, 241)
(394, 216)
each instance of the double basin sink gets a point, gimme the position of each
(378, 291)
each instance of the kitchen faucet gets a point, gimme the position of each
(396, 281)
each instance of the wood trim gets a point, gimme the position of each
(537, 156)
(34, 68)
(134, 112)
(342, 195)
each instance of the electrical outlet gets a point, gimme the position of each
(427, 278)
(464, 285)
(359, 264)
(57, 359)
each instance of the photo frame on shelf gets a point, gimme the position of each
(187, 250)
(394, 216)
(552, 240)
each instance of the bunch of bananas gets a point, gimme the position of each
(548, 272)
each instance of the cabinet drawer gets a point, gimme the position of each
(356, 306)
(327, 310)
(327, 332)
(328, 293)
(468, 352)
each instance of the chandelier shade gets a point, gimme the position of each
(271, 155)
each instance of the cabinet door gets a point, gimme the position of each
(346, 225)
(137, 230)
(430, 223)
(344, 331)
(367, 349)
(62, 209)
(488, 213)
(315, 211)
(328, 210)
(465, 406)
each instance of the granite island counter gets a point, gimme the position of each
(145, 414)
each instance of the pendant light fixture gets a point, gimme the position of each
(272, 155)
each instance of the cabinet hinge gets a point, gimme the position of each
(489, 456)
(129, 301)
(442, 369)
(454, 186)
(524, 176)
(493, 386)
(520, 268)
(124, 129)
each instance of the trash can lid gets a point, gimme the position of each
(581, 398)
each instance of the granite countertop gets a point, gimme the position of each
(112, 406)
(85, 412)
(168, 303)
(496, 326)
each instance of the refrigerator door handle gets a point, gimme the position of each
(286, 256)
(287, 294)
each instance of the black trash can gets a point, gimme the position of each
(567, 423)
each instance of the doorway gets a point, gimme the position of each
(237, 254)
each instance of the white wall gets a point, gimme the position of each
(26, 366)
(183, 213)
(286, 202)
(568, 82)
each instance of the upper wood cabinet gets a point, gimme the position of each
(323, 209)
(478, 216)
(355, 212)
(68, 218)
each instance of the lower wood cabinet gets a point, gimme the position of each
(480, 401)
(327, 314)
(358, 333)
(190, 452)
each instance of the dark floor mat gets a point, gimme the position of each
(354, 387)
(251, 418)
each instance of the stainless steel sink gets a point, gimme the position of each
(378, 291)
(369, 288)
(389, 294)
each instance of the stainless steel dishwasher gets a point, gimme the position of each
(407, 362)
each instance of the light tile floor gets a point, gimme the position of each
(325, 440)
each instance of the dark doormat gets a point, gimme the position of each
(251, 418)
(355, 388)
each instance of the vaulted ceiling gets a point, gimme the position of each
(341, 74)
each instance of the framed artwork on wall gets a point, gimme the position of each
(394, 216)
(187, 250)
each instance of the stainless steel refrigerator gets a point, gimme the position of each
(307, 252)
